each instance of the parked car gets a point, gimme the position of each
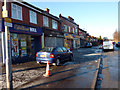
(100, 46)
(118, 44)
(89, 45)
(55, 55)
(108, 45)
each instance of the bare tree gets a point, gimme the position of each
(116, 36)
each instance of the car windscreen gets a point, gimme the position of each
(47, 49)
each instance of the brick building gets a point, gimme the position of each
(82, 35)
(71, 34)
(31, 29)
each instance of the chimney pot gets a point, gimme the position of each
(47, 10)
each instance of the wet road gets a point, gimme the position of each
(76, 74)
(80, 73)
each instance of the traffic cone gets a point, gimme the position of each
(47, 74)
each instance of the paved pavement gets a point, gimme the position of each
(110, 70)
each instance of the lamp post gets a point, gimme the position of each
(8, 59)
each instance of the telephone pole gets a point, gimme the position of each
(7, 40)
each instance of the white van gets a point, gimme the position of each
(108, 45)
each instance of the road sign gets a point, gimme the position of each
(8, 24)
(4, 13)
(9, 20)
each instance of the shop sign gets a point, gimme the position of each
(68, 35)
(76, 36)
(20, 28)
(53, 33)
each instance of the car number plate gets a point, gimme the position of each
(42, 55)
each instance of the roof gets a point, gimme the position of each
(68, 20)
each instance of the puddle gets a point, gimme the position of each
(69, 63)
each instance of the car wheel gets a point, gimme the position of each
(57, 62)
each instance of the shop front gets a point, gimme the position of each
(71, 41)
(25, 41)
(76, 41)
(82, 41)
(68, 40)
(53, 38)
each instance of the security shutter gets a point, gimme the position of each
(60, 41)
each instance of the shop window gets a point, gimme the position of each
(0, 46)
(22, 45)
(54, 24)
(16, 11)
(33, 17)
(45, 21)
(15, 45)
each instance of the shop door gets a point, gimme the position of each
(37, 44)
(32, 45)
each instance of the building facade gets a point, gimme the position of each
(53, 36)
(30, 29)
(82, 35)
(70, 29)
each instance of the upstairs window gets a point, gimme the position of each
(33, 17)
(73, 30)
(69, 28)
(54, 24)
(65, 28)
(76, 30)
(16, 11)
(45, 21)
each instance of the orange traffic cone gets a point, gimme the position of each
(47, 70)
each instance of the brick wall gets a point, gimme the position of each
(68, 23)
(26, 17)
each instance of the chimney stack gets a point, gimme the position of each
(47, 10)
(70, 18)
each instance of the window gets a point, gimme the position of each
(16, 12)
(45, 21)
(69, 28)
(76, 30)
(33, 17)
(65, 28)
(64, 49)
(73, 30)
(54, 24)
(59, 50)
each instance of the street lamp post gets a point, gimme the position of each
(8, 59)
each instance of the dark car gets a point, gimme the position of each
(55, 55)
(88, 45)
(118, 44)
